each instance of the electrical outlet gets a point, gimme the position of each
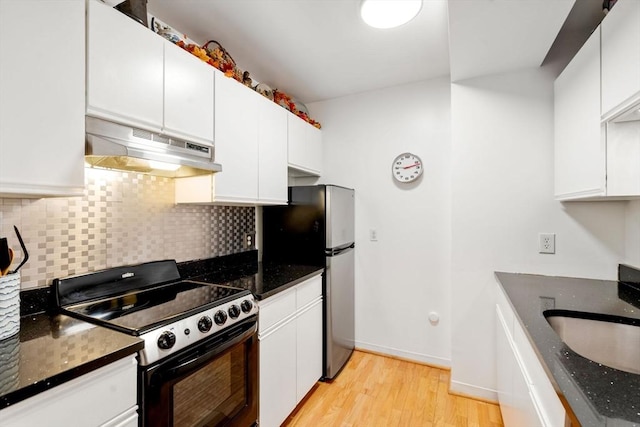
(250, 239)
(547, 243)
(373, 235)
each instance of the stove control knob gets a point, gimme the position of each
(220, 317)
(166, 340)
(205, 324)
(234, 311)
(246, 306)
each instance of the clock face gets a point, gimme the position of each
(406, 167)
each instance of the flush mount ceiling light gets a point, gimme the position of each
(389, 13)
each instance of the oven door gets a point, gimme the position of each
(212, 384)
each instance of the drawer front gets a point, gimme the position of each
(90, 400)
(276, 309)
(308, 291)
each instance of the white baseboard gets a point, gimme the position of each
(408, 355)
(473, 391)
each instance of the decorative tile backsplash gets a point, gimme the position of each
(123, 218)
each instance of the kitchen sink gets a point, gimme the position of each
(605, 341)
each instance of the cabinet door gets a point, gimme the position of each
(620, 56)
(549, 408)
(272, 152)
(579, 147)
(623, 159)
(305, 146)
(188, 95)
(309, 348)
(42, 98)
(124, 69)
(277, 375)
(236, 142)
(516, 402)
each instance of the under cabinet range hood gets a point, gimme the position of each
(114, 146)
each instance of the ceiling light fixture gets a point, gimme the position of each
(389, 13)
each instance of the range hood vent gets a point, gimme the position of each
(114, 146)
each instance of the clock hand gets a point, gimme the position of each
(410, 166)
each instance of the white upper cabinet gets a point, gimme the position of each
(623, 159)
(140, 79)
(251, 145)
(188, 95)
(42, 63)
(305, 147)
(236, 142)
(620, 57)
(125, 74)
(272, 152)
(579, 145)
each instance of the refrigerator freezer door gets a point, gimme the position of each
(340, 227)
(339, 311)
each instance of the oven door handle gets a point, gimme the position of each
(246, 331)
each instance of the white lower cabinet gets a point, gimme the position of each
(106, 397)
(290, 334)
(278, 374)
(308, 348)
(526, 395)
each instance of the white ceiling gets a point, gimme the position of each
(493, 36)
(320, 49)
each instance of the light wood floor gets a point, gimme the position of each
(373, 390)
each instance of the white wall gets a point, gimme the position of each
(405, 274)
(487, 192)
(502, 189)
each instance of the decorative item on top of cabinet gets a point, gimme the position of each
(294, 106)
(264, 90)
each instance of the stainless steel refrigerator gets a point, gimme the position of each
(317, 228)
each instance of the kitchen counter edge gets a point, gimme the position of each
(114, 348)
(573, 376)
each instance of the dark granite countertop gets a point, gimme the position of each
(244, 271)
(264, 280)
(52, 349)
(598, 395)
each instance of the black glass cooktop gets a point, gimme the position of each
(138, 312)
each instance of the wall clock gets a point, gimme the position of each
(406, 167)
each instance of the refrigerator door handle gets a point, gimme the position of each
(338, 251)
